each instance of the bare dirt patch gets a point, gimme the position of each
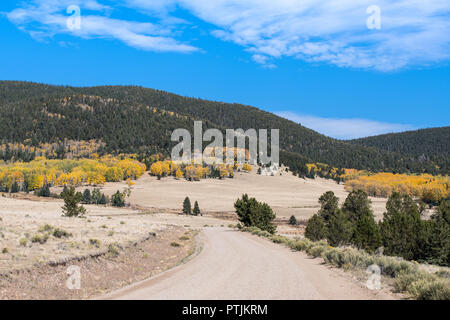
(103, 272)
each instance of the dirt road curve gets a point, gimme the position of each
(236, 265)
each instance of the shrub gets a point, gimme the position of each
(279, 239)
(316, 251)
(113, 250)
(393, 266)
(60, 233)
(38, 238)
(429, 288)
(45, 228)
(404, 280)
(5, 250)
(174, 244)
(23, 242)
(301, 245)
(94, 242)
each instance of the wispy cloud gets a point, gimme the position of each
(45, 18)
(345, 128)
(413, 32)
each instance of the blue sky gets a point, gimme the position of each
(320, 63)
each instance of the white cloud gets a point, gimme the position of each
(263, 60)
(345, 128)
(413, 32)
(46, 18)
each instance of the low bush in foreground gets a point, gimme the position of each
(407, 277)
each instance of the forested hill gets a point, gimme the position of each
(140, 120)
(425, 144)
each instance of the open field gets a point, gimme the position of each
(25, 221)
(286, 194)
(142, 236)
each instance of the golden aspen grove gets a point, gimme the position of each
(426, 187)
(195, 172)
(41, 171)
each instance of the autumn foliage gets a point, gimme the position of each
(428, 188)
(195, 172)
(41, 171)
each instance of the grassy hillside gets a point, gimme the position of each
(140, 120)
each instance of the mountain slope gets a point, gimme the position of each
(136, 119)
(425, 144)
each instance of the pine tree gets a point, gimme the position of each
(315, 229)
(44, 191)
(15, 187)
(71, 201)
(438, 244)
(187, 206)
(196, 210)
(65, 190)
(118, 199)
(87, 196)
(367, 234)
(356, 204)
(402, 230)
(102, 199)
(96, 196)
(339, 229)
(292, 220)
(329, 205)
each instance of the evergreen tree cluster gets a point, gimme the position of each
(427, 145)
(252, 213)
(402, 232)
(187, 207)
(94, 197)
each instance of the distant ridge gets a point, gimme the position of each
(431, 144)
(140, 120)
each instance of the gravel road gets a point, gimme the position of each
(236, 265)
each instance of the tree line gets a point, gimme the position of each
(402, 231)
(131, 119)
